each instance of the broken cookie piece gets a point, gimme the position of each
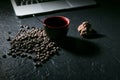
(85, 30)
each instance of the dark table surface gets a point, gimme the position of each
(80, 59)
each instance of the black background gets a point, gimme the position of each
(79, 59)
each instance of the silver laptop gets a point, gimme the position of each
(28, 7)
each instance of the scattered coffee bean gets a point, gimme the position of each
(21, 26)
(35, 59)
(38, 64)
(29, 57)
(9, 32)
(27, 27)
(9, 53)
(9, 39)
(4, 56)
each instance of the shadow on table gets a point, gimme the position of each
(95, 36)
(80, 47)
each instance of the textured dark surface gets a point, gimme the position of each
(79, 59)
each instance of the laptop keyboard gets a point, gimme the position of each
(28, 2)
(28, 7)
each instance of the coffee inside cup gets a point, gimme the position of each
(56, 22)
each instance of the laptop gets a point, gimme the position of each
(28, 7)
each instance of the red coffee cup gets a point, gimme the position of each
(56, 27)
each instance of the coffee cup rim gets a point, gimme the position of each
(65, 18)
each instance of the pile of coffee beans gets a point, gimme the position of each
(33, 43)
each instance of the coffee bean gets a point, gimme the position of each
(46, 57)
(38, 64)
(29, 57)
(21, 26)
(9, 39)
(13, 55)
(4, 56)
(27, 27)
(42, 60)
(52, 51)
(23, 55)
(35, 59)
(58, 48)
(9, 53)
(18, 53)
(9, 32)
